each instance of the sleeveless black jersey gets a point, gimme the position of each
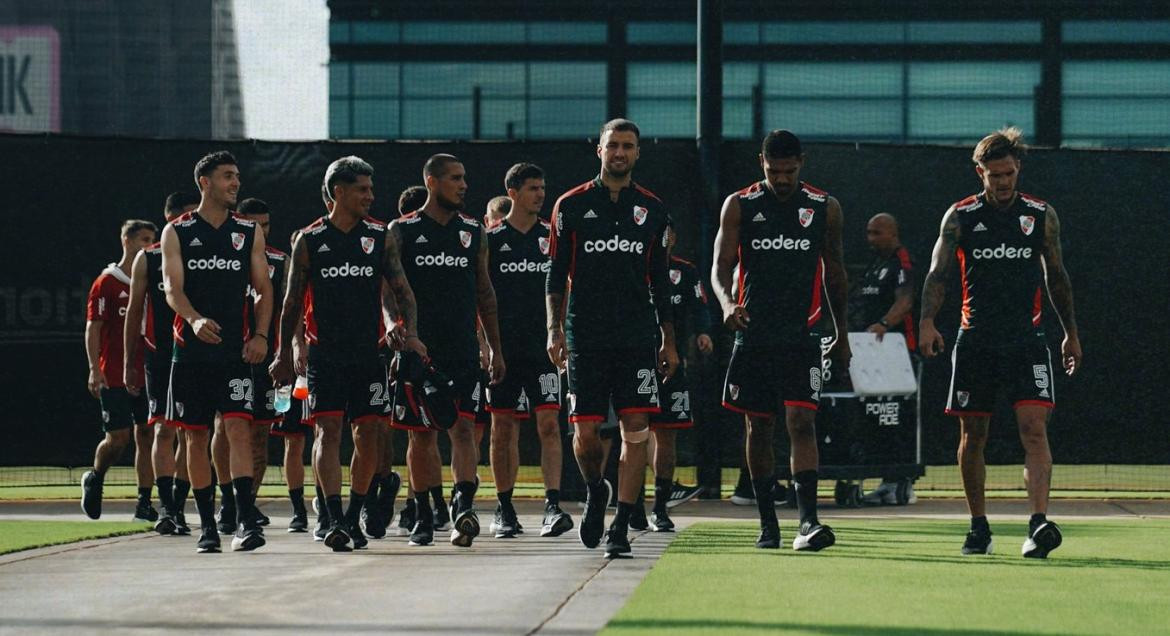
(519, 264)
(276, 260)
(874, 294)
(780, 266)
(440, 262)
(343, 302)
(217, 270)
(613, 255)
(688, 303)
(160, 318)
(1002, 278)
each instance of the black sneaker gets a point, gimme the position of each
(977, 542)
(443, 516)
(556, 521)
(422, 534)
(261, 518)
(227, 520)
(165, 525)
(593, 521)
(248, 537)
(371, 520)
(813, 537)
(660, 522)
(321, 529)
(769, 538)
(680, 494)
(504, 524)
(208, 540)
(181, 527)
(617, 542)
(359, 540)
(299, 523)
(638, 519)
(466, 527)
(407, 519)
(1043, 539)
(91, 494)
(337, 539)
(143, 511)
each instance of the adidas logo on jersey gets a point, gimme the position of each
(420, 239)
(195, 242)
(980, 227)
(123, 295)
(505, 248)
(590, 214)
(323, 248)
(758, 218)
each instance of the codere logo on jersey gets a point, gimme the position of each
(214, 263)
(1003, 251)
(346, 270)
(441, 260)
(781, 243)
(614, 244)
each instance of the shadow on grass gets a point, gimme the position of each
(774, 626)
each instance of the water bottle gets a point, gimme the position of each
(301, 390)
(283, 400)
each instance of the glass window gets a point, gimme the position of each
(427, 118)
(563, 79)
(567, 32)
(457, 79)
(830, 79)
(375, 118)
(662, 98)
(809, 32)
(962, 101)
(950, 120)
(970, 79)
(664, 117)
(1128, 77)
(339, 32)
(661, 79)
(1127, 31)
(1116, 103)
(661, 33)
(375, 79)
(338, 79)
(741, 33)
(973, 32)
(566, 118)
(339, 119)
(462, 32)
(376, 32)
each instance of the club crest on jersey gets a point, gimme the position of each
(806, 216)
(543, 241)
(464, 238)
(962, 397)
(238, 240)
(1027, 224)
(675, 276)
(368, 244)
(271, 271)
(640, 214)
(733, 389)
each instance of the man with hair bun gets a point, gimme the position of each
(1007, 244)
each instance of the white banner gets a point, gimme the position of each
(30, 79)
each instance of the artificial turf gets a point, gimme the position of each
(25, 535)
(907, 577)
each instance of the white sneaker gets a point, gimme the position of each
(911, 498)
(885, 494)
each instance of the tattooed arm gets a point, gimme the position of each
(485, 300)
(561, 253)
(398, 303)
(1060, 292)
(934, 288)
(291, 312)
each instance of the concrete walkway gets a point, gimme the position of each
(151, 584)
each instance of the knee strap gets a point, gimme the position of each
(636, 437)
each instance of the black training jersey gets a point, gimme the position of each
(874, 294)
(780, 267)
(688, 302)
(613, 256)
(217, 270)
(999, 254)
(519, 265)
(343, 315)
(160, 318)
(440, 262)
(276, 260)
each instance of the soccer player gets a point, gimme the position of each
(883, 301)
(149, 319)
(688, 302)
(122, 411)
(210, 256)
(497, 208)
(1007, 244)
(786, 236)
(518, 249)
(444, 253)
(339, 262)
(606, 297)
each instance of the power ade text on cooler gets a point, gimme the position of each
(345, 270)
(1003, 251)
(525, 266)
(441, 259)
(781, 243)
(614, 244)
(214, 263)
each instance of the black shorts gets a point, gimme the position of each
(676, 403)
(530, 385)
(627, 377)
(199, 390)
(355, 391)
(264, 408)
(978, 373)
(158, 379)
(296, 422)
(467, 376)
(762, 382)
(120, 410)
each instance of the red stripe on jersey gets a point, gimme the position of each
(742, 274)
(814, 307)
(647, 193)
(681, 260)
(1037, 308)
(177, 330)
(811, 189)
(966, 320)
(310, 321)
(148, 336)
(750, 189)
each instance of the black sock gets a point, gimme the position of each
(244, 498)
(466, 492)
(166, 494)
(662, 489)
(437, 495)
(805, 483)
(297, 497)
(386, 491)
(356, 500)
(765, 504)
(505, 497)
(979, 524)
(372, 489)
(144, 494)
(745, 481)
(182, 487)
(205, 502)
(422, 501)
(622, 518)
(227, 499)
(552, 497)
(333, 505)
(1037, 520)
(322, 502)
(100, 474)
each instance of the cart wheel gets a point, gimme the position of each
(790, 497)
(841, 493)
(902, 494)
(853, 499)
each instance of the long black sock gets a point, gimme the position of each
(622, 518)
(437, 496)
(182, 487)
(244, 498)
(662, 489)
(227, 499)
(765, 502)
(505, 497)
(144, 494)
(466, 491)
(297, 497)
(166, 493)
(372, 489)
(356, 500)
(423, 512)
(1037, 520)
(552, 497)
(806, 495)
(333, 505)
(744, 484)
(387, 491)
(979, 524)
(205, 502)
(322, 503)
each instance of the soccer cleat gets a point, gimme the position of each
(466, 528)
(299, 523)
(638, 519)
(680, 494)
(165, 525)
(442, 517)
(660, 522)
(359, 540)
(617, 542)
(337, 539)
(977, 542)
(181, 527)
(885, 494)
(248, 537)
(227, 520)
(1044, 539)
(504, 525)
(208, 540)
(422, 534)
(593, 521)
(371, 521)
(556, 521)
(407, 518)
(143, 511)
(769, 538)
(813, 537)
(91, 494)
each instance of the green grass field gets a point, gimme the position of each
(907, 577)
(25, 535)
